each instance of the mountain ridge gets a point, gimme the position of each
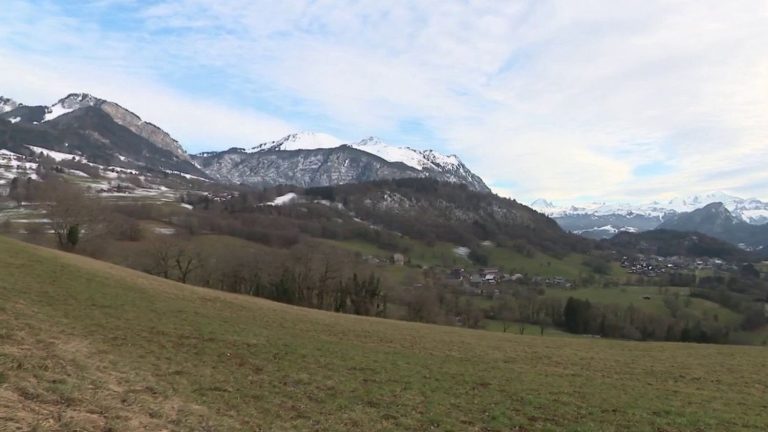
(284, 161)
(304, 159)
(603, 219)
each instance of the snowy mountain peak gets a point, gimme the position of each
(417, 163)
(418, 159)
(751, 210)
(299, 141)
(695, 201)
(69, 103)
(7, 104)
(542, 204)
(442, 160)
(78, 100)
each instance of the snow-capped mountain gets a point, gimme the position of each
(592, 218)
(77, 101)
(317, 159)
(716, 220)
(96, 130)
(103, 130)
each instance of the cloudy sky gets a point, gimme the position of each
(569, 100)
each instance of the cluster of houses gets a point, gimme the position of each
(552, 281)
(484, 276)
(652, 265)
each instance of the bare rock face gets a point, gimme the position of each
(144, 129)
(126, 118)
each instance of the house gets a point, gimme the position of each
(398, 259)
(457, 273)
(491, 273)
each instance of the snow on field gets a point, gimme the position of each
(461, 251)
(187, 206)
(77, 173)
(285, 199)
(14, 119)
(188, 176)
(12, 165)
(57, 156)
(164, 231)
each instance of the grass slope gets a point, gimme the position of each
(90, 346)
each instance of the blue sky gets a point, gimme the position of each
(568, 100)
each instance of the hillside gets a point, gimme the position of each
(667, 243)
(89, 346)
(429, 210)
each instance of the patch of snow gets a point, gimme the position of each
(77, 173)
(420, 160)
(283, 200)
(187, 206)
(188, 176)
(461, 251)
(300, 141)
(164, 231)
(14, 119)
(7, 104)
(390, 153)
(57, 156)
(56, 111)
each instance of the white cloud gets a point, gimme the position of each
(557, 99)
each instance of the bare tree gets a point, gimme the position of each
(71, 212)
(161, 258)
(187, 261)
(172, 258)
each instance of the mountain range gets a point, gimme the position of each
(310, 159)
(716, 220)
(105, 133)
(603, 220)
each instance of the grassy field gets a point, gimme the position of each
(442, 254)
(636, 295)
(90, 346)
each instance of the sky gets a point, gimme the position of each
(569, 100)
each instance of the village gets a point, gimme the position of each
(654, 266)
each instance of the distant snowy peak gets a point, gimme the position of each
(299, 141)
(749, 210)
(541, 205)
(696, 201)
(7, 104)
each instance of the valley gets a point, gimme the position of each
(147, 353)
(261, 259)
